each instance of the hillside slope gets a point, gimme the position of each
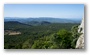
(14, 24)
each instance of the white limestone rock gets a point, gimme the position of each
(80, 41)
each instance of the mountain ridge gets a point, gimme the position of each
(40, 19)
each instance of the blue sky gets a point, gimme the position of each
(44, 10)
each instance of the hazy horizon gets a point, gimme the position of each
(39, 18)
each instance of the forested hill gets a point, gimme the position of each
(48, 19)
(39, 34)
(14, 24)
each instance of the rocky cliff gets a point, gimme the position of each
(80, 41)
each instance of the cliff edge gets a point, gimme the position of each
(80, 41)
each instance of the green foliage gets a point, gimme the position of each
(39, 37)
(75, 35)
(42, 43)
(64, 39)
(27, 44)
(60, 40)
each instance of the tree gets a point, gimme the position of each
(75, 35)
(59, 40)
(27, 44)
(65, 38)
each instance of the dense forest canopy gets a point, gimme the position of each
(40, 35)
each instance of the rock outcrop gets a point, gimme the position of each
(80, 41)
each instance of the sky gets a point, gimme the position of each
(44, 10)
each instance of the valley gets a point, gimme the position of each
(24, 36)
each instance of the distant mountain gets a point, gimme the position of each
(48, 19)
(45, 23)
(35, 23)
(14, 24)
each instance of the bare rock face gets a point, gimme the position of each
(80, 41)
